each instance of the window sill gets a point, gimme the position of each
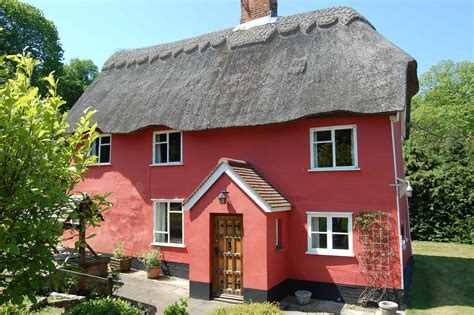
(168, 164)
(167, 245)
(332, 169)
(100, 164)
(331, 253)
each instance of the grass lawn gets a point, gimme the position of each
(443, 281)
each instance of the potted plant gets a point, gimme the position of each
(119, 261)
(152, 260)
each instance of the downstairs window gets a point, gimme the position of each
(330, 233)
(168, 223)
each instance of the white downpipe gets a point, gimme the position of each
(398, 199)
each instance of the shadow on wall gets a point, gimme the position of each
(442, 281)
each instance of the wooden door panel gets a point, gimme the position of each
(228, 255)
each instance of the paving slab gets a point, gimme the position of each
(156, 295)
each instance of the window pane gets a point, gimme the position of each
(319, 224)
(323, 135)
(105, 154)
(324, 155)
(175, 146)
(161, 153)
(105, 140)
(175, 206)
(161, 237)
(344, 154)
(161, 137)
(94, 148)
(176, 228)
(340, 241)
(340, 224)
(319, 240)
(161, 218)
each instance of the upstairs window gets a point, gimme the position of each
(330, 233)
(101, 148)
(167, 148)
(334, 148)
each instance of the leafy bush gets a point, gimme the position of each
(440, 155)
(108, 305)
(118, 251)
(151, 258)
(9, 308)
(177, 308)
(249, 308)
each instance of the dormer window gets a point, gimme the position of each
(334, 148)
(167, 148)
(101, 148)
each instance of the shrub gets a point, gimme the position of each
(108, 305)
(249, 308)
(118, 251)
(177, 308)
(151, 258)
(9, 308)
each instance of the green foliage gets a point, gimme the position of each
(367, 220)
(108, 305)
(25, 26)
(151, 258)
(61, 282)
(177, 308)
(10, 308)
(40, 166)
(75, 78)
(118, 251)
(440, 155)
(249, 308)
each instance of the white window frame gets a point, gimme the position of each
(99, 138)
(313, 141)
(330, 251)
(154, 143)
(167, 201)
(278, 245)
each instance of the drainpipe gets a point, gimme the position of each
(394, 119)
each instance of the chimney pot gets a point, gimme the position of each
(254, 9)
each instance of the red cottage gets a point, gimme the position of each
(247, 154)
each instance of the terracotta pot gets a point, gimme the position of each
(153, 272)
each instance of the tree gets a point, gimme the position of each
(76, 77)
(440, 154)
(40, 165)
(25, 26)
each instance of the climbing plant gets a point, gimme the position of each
(375, 254)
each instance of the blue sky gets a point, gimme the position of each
(429, 30)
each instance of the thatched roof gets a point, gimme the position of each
(323, 62)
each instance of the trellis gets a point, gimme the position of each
(374, 254)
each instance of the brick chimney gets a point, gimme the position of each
(254, 9)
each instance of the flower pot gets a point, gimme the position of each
(153, 272)
(303, 297)
(121, 265)
(388, 307)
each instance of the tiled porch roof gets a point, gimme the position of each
(248, 179)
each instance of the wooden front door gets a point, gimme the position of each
(227, 258)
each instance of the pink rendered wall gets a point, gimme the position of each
(281, 153)
(277, 260)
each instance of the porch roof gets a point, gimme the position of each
(248, 179)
